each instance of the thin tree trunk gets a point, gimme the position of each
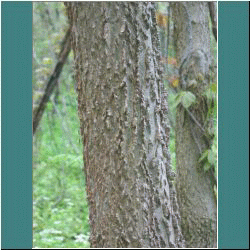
(213, 15)
(52, 83)
(122, 110)
(198, 204)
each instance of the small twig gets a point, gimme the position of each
(213, 175)
(193, 118)
(66, 47)
(195, 139)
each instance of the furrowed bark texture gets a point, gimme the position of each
(122, 110)
(198, 205)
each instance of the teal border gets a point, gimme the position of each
(233, 197)
(16, 143)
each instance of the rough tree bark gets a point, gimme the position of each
(197, 201)
(122, 110)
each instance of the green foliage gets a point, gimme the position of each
(49, 26)
(186, 98)
(172, 150)
(211, 92)
(208, 157)
(60, 209)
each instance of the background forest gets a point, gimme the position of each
(60, 209)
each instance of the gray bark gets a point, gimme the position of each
(122, 110)
(198, 204)
(213, 14)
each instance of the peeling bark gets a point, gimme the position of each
(198, 204)
(122, 108)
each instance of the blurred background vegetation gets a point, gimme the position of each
(60, 208)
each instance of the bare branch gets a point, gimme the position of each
(66, 47)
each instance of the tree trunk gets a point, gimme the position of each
(198, 204)
(213, 14)
(122, 110)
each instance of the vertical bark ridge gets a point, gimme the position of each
(122, 105)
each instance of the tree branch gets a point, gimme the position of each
(66, 47)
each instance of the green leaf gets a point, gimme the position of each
(210, 131)
(214, 147)
(177, 100)
(214, 87)
(207, 166)
(188, 99)
(47, 60)
(208, 92)
(210, 157)
(203, 156)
